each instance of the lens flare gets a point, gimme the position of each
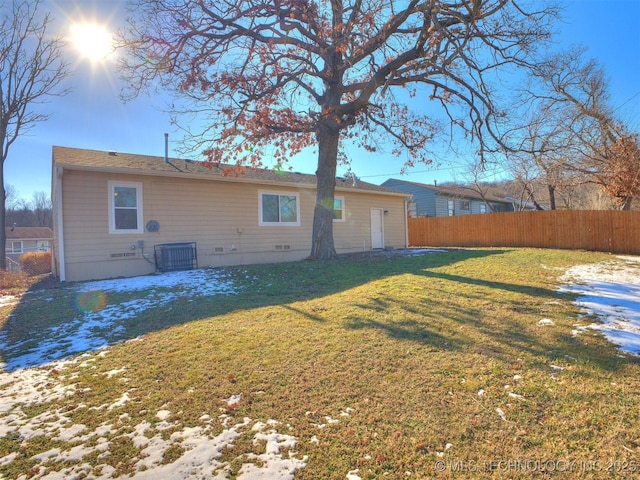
(91, 302)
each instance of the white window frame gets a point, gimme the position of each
(451, 207)
(483, 208)
(342, 210)
(12, 249)
(262, 223)
(112, 211)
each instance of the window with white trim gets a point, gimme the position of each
(451, 208)
(483, 208)
(125, 207)
(14, 246)
(338, 209)
(279, 209)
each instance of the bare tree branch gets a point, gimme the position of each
(32, 69)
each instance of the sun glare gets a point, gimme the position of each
(92, 41)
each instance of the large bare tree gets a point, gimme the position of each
(283, 75)
(541, 162)
(581, 135)
(32, 69)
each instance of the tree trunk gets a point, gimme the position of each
(322, 247)
(626, 203)
(552, 197)
(533, 198)
(3, 212)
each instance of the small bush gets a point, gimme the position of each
(13, 281)
(35, 263)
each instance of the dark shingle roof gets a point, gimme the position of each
(28, 233)
(81, 159)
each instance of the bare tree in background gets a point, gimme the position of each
(279, 76)
(11, 198)
(580, 133)
(42, 209)
(541, 163)
(31, 71)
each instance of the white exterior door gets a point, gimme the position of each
(377, 228)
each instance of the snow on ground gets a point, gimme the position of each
(35, 376)
(611, 291)
(202, 446)
(98, 321)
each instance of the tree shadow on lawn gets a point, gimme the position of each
(40, 311)
(451, 327)
(32, 334)
(504, 336)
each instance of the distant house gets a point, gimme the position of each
(120, 215)
(434, 201)
(27, 239)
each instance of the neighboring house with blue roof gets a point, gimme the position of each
(434, 201)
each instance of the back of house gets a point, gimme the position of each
(120, 215)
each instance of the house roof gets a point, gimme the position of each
(116, 162)
(458, 192)
(28, 233)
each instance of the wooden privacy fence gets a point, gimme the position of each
(607, 231)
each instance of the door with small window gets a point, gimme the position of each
(451, 207)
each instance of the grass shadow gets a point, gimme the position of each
(49, 309)
(26, 336)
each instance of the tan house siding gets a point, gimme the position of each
(217, 214)
(355, 233)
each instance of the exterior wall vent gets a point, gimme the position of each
(218, 250)
(123, 255)
(171, 257)
(282, 247)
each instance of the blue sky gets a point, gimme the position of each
(92, 116)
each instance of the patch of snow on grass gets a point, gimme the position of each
(546, 322)
(412, 252)
(201, 447)
(99, 322)
(271, 464)
(610, 291)
(111, 373)
(163, 414)
(32, 386)
(120, 402)
(233, 400)
(8, 300)
(353, 475)
(202, 282)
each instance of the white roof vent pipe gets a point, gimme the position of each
(166, 148)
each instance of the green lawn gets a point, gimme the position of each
(379, 367)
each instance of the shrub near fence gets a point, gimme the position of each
(601, 230)
(35, 263)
